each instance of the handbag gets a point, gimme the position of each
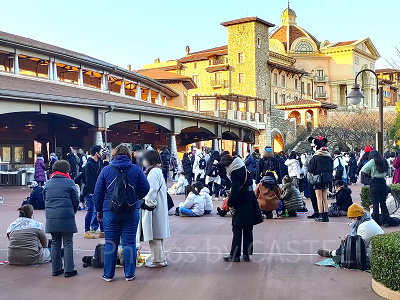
(314, 179)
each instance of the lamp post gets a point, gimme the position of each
(355, 96)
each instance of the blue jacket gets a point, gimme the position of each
(105, 185)
(250, 164)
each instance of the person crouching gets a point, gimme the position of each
(291, 197)
(268, 194)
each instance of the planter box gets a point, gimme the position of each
(384, 292)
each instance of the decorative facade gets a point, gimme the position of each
(390, 79)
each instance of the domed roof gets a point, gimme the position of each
(289, 11)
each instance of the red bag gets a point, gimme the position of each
(225, 204)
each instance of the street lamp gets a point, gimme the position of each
(355, 96)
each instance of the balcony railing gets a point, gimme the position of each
(220, 61)
(320, 95)
(323, 78)
(219, 83)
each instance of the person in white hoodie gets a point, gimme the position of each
(294, 169)
(179, 187)
(205, 194)
(193, 205)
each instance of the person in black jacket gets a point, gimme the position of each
(352, 165)
(73, 163)
(268, 164)
(212, 176)
(343, 196)
(244, 208)
(365, 178)
(90, 174)
(165, 159)
(187, 167)
(321, 165)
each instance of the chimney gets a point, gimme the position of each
(187, 50)
(157, 61)
(129, 67)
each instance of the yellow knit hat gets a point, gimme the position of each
(355, 211)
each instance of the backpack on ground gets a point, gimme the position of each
(393, 221)
(123, 198)
(354, 254)
(334, 210)
(97, 260)
(202, 163)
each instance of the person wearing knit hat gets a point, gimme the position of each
(368, 149)
(363, 225)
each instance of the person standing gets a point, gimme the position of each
(250, 164)
(378, 168)
(82, 159)
(352, 175)
(119, 226)
(245, 209)
(53, 159)
(308, 187)
(365, 178)
(40, 168)
(321, 165)
(339, 168)
(396, 166)
(213, 181)
(187, 167)
(165, 161)
(136, 154)
(61, 204)
(154, 211)
(73, 162)
(294, 170)
(90, 173)
(268, 164)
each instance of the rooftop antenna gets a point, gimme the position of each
(288, 6)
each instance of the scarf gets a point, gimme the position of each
(364, 218)
(60, 173)
(24, 223)
(235, 165)
(322, 152)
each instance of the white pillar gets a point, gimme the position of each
(173, 147)
(149, 96)
(159, 100)
(165, 101)
(16, 63)
(122, 90)
(98, 138)
(138, 93)
(215, 145)
(104, 82)
(80, 79)
(50, 70)
(239, 149)
(55, 76)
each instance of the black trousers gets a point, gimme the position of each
(247, 233)
(214, 188)
(378, 192)
(313, 197)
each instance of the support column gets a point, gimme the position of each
(215, 145)
(138, 93)
(149, 96)
(16, 63)
(55, 76)
(165, 101)
(159, 99)
(50, 70)
(122, 90)
(239, 149)
(173, 147)
(104, 82)
(98, 138)
(80, 79)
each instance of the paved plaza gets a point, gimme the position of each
(283, 265)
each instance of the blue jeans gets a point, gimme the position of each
(116, 228)
(91, 217)
(188, 212)
(59, 239)
(207, 212)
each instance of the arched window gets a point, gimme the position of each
(303, 47)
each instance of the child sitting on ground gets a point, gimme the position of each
(193, 205)
(343, 200)
(268, 194)
(205, 194)
(291, 197)
(179, 187)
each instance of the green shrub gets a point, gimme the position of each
(385, 259)
(366, 201)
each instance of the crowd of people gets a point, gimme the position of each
(126, 198)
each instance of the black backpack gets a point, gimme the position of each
(98, 257)
(268, 166)
(123, 198)
(354, 254)
(339, 171)
(202, 163)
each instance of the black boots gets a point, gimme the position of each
(323, 217)
(221, 212)
(314, 215)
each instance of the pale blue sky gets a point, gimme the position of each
(137, 32)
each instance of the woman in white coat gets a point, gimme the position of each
(154, 211)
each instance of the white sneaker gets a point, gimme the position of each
(274, 215)
(130, 278)
(107, 279)
(150, 264)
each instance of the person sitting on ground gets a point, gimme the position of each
(204, 192)
(178, 188)
(193, 205)
(363, 225)
(36, 197)
(268, 194)
(61, 201)
(27, 240)
(291, 197)
(343, 200)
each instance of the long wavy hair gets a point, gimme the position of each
(380, 163)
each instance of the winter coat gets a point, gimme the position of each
(165, 159)
(294, 169)
(343, 198)
(268, 164)
(322, 164)
(352, 167)
(291, 197)
(105, 182)
(243, 199)
(187, 166)
(396, 166)
(72, 162)
(283, 168)
(155, 224)
(365, 178)
(268, 199)
(179, 187)
(36, 198)
(61, 202)
(90, 173)
(367, 230)
(250, 164)
(39, 170)
(52, 161)
(205, 194)
(195, 203)
(336, 162)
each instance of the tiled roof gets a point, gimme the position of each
(247, 20)
(294, 33)
(346, 43)
(158, 74)
(204, 54)
(307, 103)
(387, 71)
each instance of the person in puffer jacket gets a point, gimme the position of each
(205, 194)
(291, 197)
(193, 205)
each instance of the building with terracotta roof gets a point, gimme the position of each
(390, 79)
(332, 65)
